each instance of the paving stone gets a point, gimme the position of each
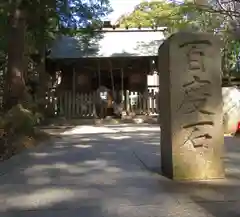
(98, 175)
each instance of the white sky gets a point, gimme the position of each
(121, 7)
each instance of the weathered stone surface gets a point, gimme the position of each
(231, 109)
(191, 107)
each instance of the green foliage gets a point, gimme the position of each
(45, 20)
(153, 13)
(186, 16)
(172, 15)
(1, 124)
(20, 120)
(232, 53)
(17, 131)
(48, 18)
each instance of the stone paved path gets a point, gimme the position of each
(101, 174)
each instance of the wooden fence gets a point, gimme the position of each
(79, 105)
(138, 103)
(76, 105)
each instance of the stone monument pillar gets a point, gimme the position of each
(191, 116)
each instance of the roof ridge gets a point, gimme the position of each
(126, 29)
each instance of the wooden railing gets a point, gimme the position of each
(80, 105)
(76, 105)
(138, 103)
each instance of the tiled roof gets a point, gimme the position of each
(109, 43)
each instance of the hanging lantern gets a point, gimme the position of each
(137, 81)
(83, 82)
(82, 79)
(135, 78)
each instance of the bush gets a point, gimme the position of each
(20, 120)
(17, 130)
(1, 123)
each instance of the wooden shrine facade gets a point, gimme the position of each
(75, 80)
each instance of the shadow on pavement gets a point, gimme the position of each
(89, 174)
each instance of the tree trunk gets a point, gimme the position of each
(41, 67)
(15, 85)
(43, 80)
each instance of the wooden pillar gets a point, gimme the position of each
(122, 84)
(123, 98)
(74, 80)
(127, 102)
(146, 92)
(99, 72)
(112, 78)
(73, 95)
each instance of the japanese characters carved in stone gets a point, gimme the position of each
(191, 107)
